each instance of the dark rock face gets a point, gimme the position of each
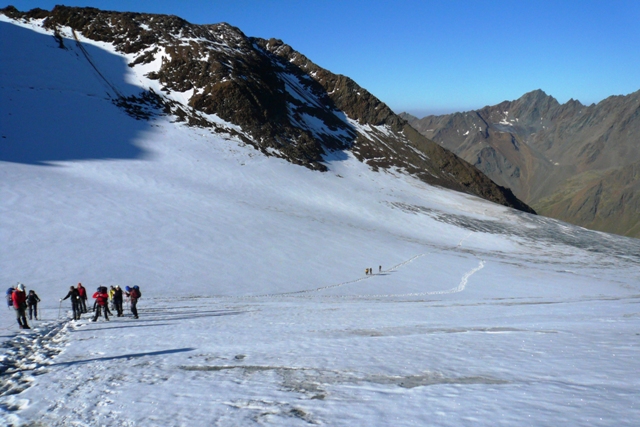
(286, 105)
(555, 156)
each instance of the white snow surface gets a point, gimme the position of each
(255, 308)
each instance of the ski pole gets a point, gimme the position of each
(59, 308)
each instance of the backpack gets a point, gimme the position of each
(137, 288)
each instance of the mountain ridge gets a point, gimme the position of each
(549, 153)
(284, 104)
(257, 308)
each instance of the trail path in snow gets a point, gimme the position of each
(29, 353)
(459, 288)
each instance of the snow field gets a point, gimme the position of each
(255, 307)
(351, 361)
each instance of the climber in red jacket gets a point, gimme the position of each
(102, 297)
(19, 298)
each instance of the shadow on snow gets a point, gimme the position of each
(124, 356)
(123, 326)
(70, 113)
(161, 316)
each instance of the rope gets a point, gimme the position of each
(88, 58)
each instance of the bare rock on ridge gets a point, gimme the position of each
(286, 105)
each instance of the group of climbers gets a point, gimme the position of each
(20, 301)
(103, 297)
(369, 271)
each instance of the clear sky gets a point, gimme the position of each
(439, 56)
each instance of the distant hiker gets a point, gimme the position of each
(133, 295)
(19, 298)
(75, 302)
(366, 271)
(379, 269)
(32, 303)
(82, 293)
(9, 299)
(102, 299)
(117, 301)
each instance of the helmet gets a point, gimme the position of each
(127, 288)
(20, 287)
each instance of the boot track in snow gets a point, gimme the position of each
(27, 355)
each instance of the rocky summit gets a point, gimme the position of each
(274, 98)
(577, 163)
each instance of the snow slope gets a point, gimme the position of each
(255, 308)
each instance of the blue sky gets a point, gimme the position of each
(440, 56)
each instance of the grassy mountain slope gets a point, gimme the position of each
(568, 161)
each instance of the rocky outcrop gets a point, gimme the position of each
(388, 141)
(554, 156)
(285, 105)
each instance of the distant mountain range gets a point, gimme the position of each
(274, 98)
(573, 162)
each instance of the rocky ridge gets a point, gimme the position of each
(284, 104)
(569, 161)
